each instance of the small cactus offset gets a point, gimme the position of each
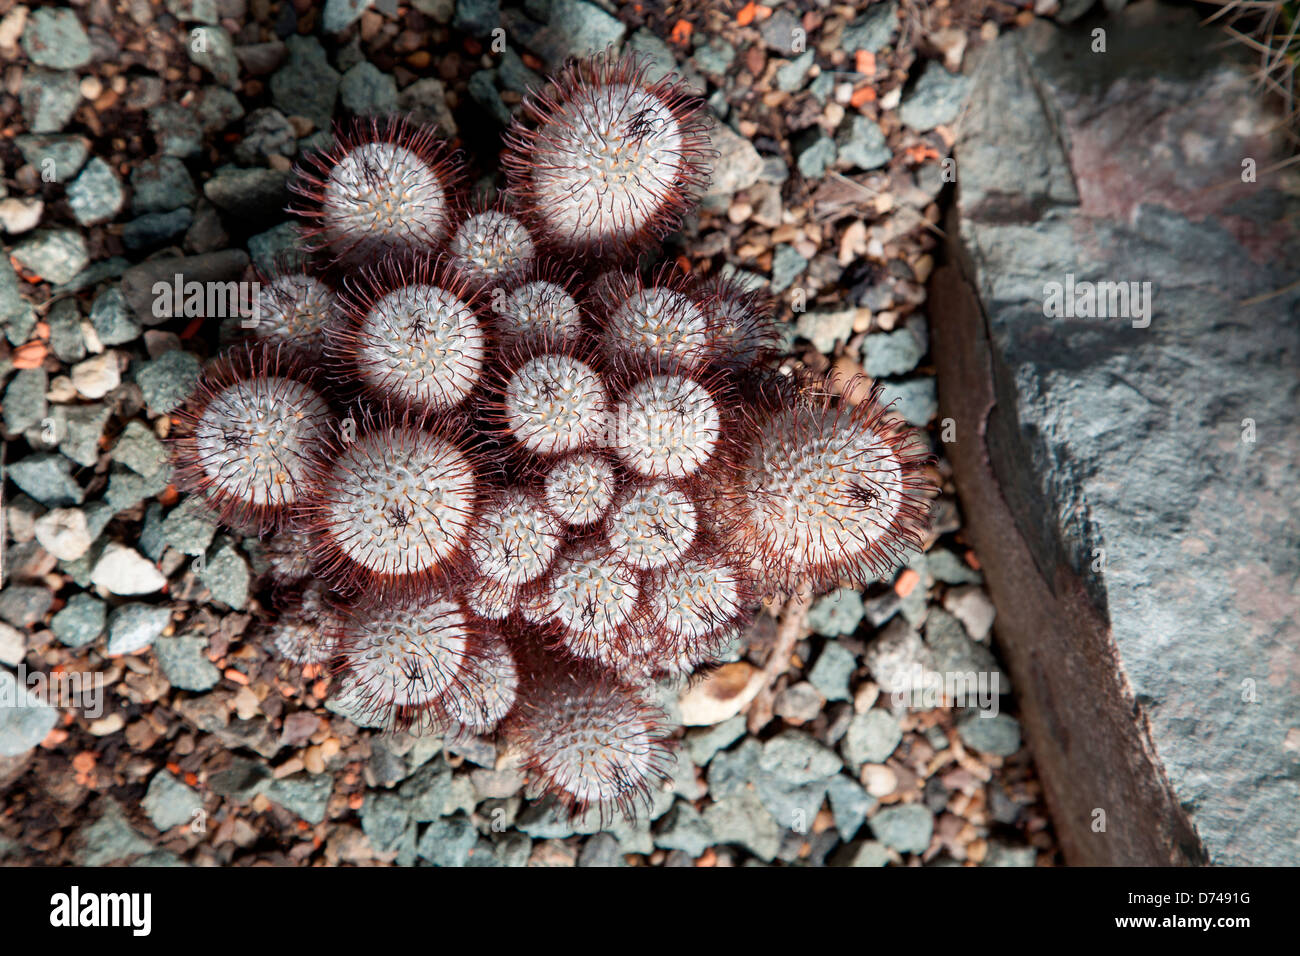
(507, 477)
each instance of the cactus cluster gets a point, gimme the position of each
(507, 476)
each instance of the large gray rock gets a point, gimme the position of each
(1129, 481)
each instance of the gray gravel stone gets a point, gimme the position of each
(79, 428)
(47, 477)
(737, 165)
(306, 85)
(860, 143)
(302, 794)
(66, 340)
(891, 353)
(24, 401)
(916, 399)
(743, 820)
(839, 612)
(815, 154)
(477, 17)
(80, 621)
(49, 99)
(386, 821)
(831, 673)
(871, 31)
(906, 828)
(267, 133)
(161, 184)
(365, 89)
(126, 489)
(576, 29)
(23, 605)
(790, 76)
(937, 99)
(227, 578)
(683, 828)
(796, 758)
(872, 736)
(483, 88)
(64, 533)
(55, 38)
(787, 265)
(168, 380)
(25, 719)
(702, 744)
(133, 627)
(850, 804)
(176, 129)
(823, 328)
(798, 703)
(251, 193)
(448, 841)
(55, 255)
(950, 569)
(601, 850)
(426, 101)
(279, 242)
(997, 734)
(96, 195)
(193, 11)
(211, 49)
(58, 156)
(190, 526)
(731, 771)
(110, 318)
(139, 449)
(184, 661)
(123, 570)
(861, 853)
(341, 14)
(110, 838)
(169, 803)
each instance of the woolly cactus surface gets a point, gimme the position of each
(507, 478)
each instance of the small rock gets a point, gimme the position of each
(211, 48)
(798, 703)
(860, 143)
(81, 620)
(96, 195)
(426, 101)
(815, 155)
(790, 77)
(990, 733)
(972, 607)
(737, 165)
(49, 99)
(123, 570)
(190, 526)
(13, 646)
(936, 99)
(824, 328)
(306, 85)
(906, 828)
(872, 736)
(601, 850)
(133, 627)
(682, 828)
(267, 133)
(341, 14)
(250, 193)
(64, 533)
(871, 31)
(477, 17)
(25, 720)
(56, 38)
(787, 265)
(140, 450)
(24, 401)
(47, 477)
(97, 375)
(168, 380)
(111, 320)
(110, 838)
(20, 215)
(950, 569)
(915, 398)
(796, 758)
(56, 255)
(169, 803)
(304, 795)
(448, 841)
(176, 129)
(57, 158)
(161, 184)
(23, 605)
(227, 578)
(850, 805)
(701, 745)
(839, 612)
(365, 89)
(576, 29)
(830, 675)
(861, 853)
(743, 820)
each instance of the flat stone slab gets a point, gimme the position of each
(1118, 344)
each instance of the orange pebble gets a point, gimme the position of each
(238, 676)
(862, 96)
(747, 13)
(30, 355)
(907, 582)
(864, 61)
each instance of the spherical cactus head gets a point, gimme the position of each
(415, 662)
(654, 525)
(595, 742)
(302, 635)
(491, 688)
(536, 309)
(604, 162)
(656, 324)
(393, 507)
(249, 435)
(592, 602)
(296, 309)
(742, 333)
(382, 186)
(697, 606)
(579, 488)
(414, 338)
(829, 492)
(667, 426)
(514, 539)
(551, 403)
(492, 247)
